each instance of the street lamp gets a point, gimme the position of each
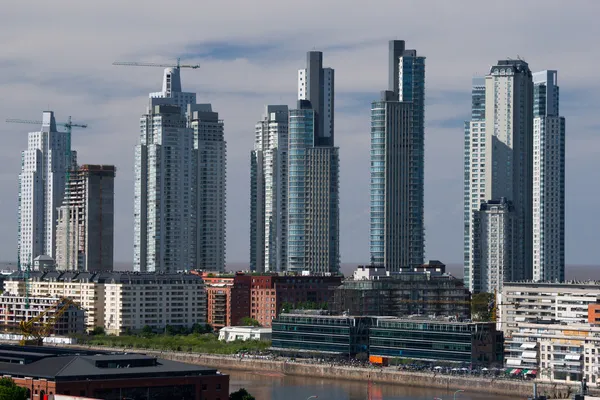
(458, 391)
(312, 397)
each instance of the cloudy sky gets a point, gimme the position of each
(58, 55)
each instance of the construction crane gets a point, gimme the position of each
(141, 64)
(34, 331)
(69, 125)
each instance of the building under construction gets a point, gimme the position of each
(375, 292)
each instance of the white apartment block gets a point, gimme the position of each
(504, 169)
(561, 353)
(268, 187)
(123, 302)
(528, 302)
(179, 200)
(14, 309)
(548, 180)
(41, 188)
(493, 233)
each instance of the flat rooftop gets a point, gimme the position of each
(61, 364)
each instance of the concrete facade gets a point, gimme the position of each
(85, 227)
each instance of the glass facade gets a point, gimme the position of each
(429, 340)
(377, 234)
(301, 138)
(334, 335)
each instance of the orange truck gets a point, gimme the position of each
(378, 360)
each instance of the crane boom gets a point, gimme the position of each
(34, 122)
(143, 64)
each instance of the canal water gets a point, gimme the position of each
(275, 386)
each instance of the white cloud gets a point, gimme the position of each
(58, 54)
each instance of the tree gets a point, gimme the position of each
(98, 330)
(247, 321)
(147, 330)
(10, 391)
(481, 306)
(241, 394)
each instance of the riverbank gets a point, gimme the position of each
(488, 385)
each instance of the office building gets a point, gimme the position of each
(44, 167)
(548, 180)
(313, 162)
(268, 192)
(77, 373)
(437, 340)
(85, 227)
(122, 302)
(376, 292)
(397, 163)
(529, 302)
(499, 165)
(311, 333)
(179, 206)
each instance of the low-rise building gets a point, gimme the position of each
(316, 333)
(437, 340)
(48, 371)
(376, 292)
(233, 333)
(17, 309)
(122, 302)
(528, 302)
(555, 352)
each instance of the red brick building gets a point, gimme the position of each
(270, 292)
(44, 371)
(228, 298)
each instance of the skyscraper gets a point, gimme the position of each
(41, 188)
(397, 163)
(548, 180)
(500, 171)
(210, 158)
(268, 189)
(313, 161)
(85, 227)
(179, 201)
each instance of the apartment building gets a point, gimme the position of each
(527, 302)
(228, 298)
(375, 291)
(122, 302)
(16, 309)
(270, 293)
(79, 287)
(559, 352)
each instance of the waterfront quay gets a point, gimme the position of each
(431, 379)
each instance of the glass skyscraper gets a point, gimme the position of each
(397, 164)
(313, 162)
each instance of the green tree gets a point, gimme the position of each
(147, 330)
(10, 391)
(98, 331)
(247, 321)
(241, 394)
(481, 306)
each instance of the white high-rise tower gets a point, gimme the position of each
(41, 189)
(268, 192)
(179, 201)
(548, 180)
(499, 172)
